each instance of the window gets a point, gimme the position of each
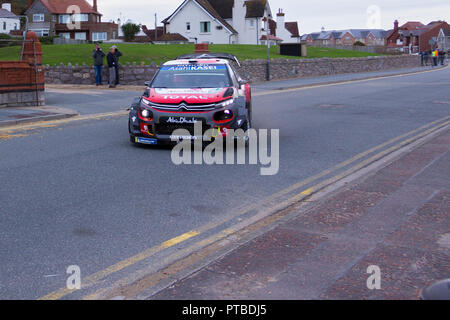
(65, 35)
(99, 36)
(67, 18)
(193, 76)
(42, 32)
(4, 25)
(188, 26)
(38, 17)
(80, 36)
(80, 17)
(252, 23)
(205, 27)
(15, 26)
(54, 18)
(64, 18)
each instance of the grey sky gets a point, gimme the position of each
(311, 15)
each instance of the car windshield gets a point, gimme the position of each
(193, 76)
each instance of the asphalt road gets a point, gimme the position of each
(79, 194)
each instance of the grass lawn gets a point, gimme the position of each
(55, 54)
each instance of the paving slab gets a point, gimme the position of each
(397, 219)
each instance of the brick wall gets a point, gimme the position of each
(22, 82)
(253, 70)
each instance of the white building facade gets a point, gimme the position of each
(8, 20)
(223, 21)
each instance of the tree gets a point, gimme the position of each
(130, 30)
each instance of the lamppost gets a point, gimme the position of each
(268, 49)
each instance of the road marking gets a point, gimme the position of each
(54, 123)
(272, 92)
(91, 280)
(307, 192)
(177, 240)
(187, 261)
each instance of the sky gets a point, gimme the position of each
(311, 15)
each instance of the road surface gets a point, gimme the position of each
(77, 193)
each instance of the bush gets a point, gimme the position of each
(130, 30)
(47, 40)
(359, 44)
(15, 41)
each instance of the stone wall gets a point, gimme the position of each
(255, 70)
(130, 74)
(252, 70)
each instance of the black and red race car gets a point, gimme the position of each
(192, 88)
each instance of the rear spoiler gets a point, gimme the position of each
(210, 56)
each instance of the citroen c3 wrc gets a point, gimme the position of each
(193, 88)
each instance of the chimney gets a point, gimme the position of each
(396, 25)
(280, 20)
(6, 6)
(30, 2)
(95, 6)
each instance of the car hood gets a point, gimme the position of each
(189, 96)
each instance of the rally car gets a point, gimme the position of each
(193, 88)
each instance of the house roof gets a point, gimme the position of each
(60, 6)
(412, 25)
(271, 37)
(7, 14)
(256, 8)
(150, 33)
(172, 37)
(292, 27)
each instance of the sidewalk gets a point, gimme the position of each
(15, 116)
(308, 81)
(397, 219)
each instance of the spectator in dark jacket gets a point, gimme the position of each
(118, 55)
(112, 64)
(98, 56)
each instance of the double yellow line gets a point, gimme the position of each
(264, 206)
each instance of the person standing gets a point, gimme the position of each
(118, 55)
(435, 57)
(112, 64)
(98, 56)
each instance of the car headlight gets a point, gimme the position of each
(146, 114)
(225, 103)
(146, 102)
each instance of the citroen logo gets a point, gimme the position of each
(182, 107)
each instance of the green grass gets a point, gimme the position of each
(55, 54)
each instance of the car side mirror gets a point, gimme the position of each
(147, 83)
(243, 82)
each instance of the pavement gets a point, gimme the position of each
(311, 81)
(17, 116)
(76, 192)
(396, 219)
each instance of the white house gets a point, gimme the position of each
(224, 21)
(8, 20)
(443, 39)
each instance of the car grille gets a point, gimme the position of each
(184, 107)
(169, 128)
